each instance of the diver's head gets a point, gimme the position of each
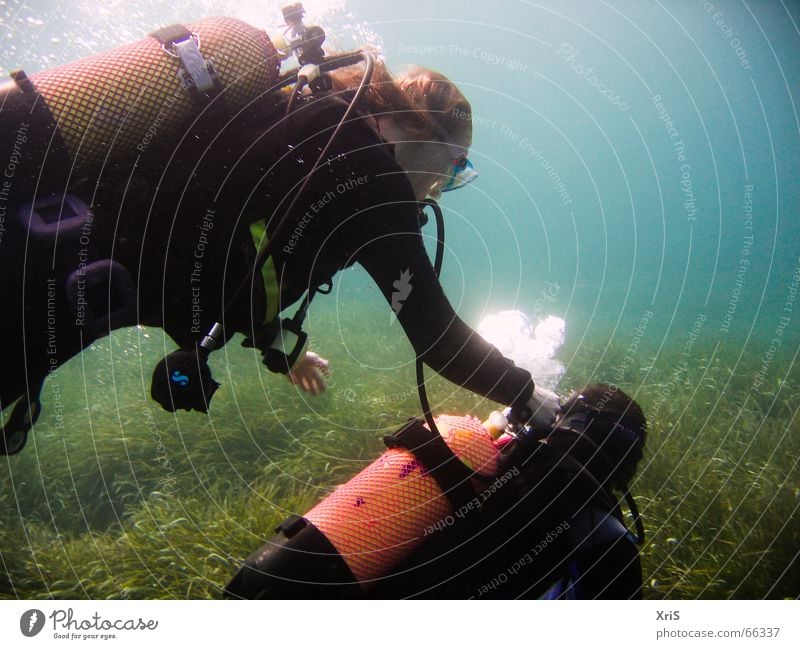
(605, 430)
(442, 162)
(428, 120)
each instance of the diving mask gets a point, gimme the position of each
(462, 173)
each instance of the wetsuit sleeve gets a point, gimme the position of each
(375, 224)
(396, 259)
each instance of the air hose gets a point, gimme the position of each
(437, 268)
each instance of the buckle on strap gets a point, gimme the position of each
(198, 69)
(450, 473)
(179, 42)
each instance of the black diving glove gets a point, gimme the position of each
(183, 381)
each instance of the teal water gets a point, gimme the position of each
(638, 177)
(593, 192)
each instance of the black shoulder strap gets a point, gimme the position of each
(450, 473)
(171, 34)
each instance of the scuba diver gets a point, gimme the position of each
(182, 182)
(539, 519)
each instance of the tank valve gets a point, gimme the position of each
(496, 424)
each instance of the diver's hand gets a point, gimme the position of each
(544, 406)
(310, 373)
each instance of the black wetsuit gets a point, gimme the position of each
(178, 222)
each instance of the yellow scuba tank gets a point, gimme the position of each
(114, 105)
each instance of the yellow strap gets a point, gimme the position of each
(270, 278)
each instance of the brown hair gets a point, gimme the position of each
(426, 103)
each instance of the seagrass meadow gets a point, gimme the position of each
(638, 177)
(126, 501)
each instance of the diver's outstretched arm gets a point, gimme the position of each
(311, 373)
(400, 266)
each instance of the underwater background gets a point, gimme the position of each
(639, 178)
